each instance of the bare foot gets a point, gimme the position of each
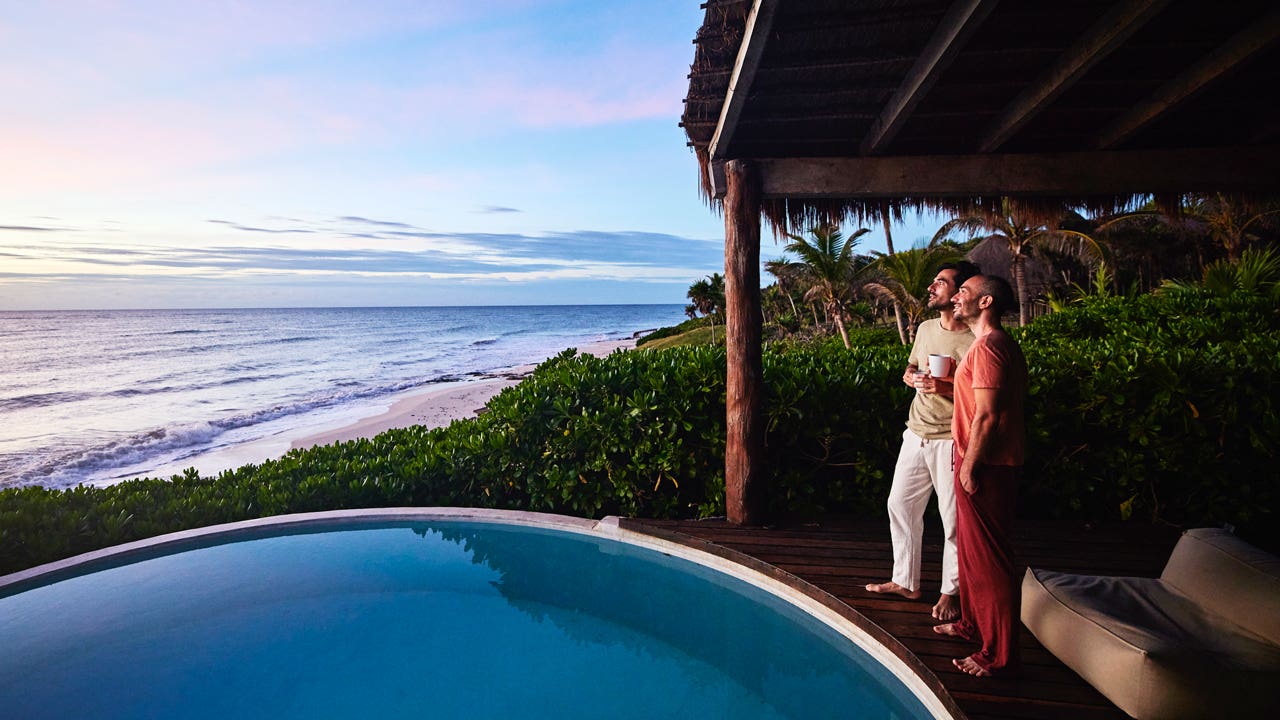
(971, 666)
(947, 609)
(948, 629)
(894, 588)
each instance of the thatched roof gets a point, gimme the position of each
(994, 257)
(854, 108)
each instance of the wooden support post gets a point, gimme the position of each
(744, 444)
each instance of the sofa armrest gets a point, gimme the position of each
(1229, 578)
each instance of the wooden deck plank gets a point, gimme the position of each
(842, 555)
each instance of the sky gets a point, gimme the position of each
(276, 153)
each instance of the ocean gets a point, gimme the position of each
(101, 396)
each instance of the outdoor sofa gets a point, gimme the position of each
(1200, 641)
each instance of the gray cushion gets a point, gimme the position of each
(1153, 650)
(1229, 577)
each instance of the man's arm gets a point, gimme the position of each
(982, 435)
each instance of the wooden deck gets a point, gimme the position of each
(841, 557)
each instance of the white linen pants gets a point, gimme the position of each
(924, 467)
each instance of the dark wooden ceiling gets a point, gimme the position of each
(860, 99)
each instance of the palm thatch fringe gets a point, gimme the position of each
(786, 215)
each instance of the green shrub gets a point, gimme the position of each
(680, 329)
(1156, 407)
(697, 336)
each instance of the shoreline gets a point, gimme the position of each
(434, 405)
(438, 407)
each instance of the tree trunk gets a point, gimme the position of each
(884, 218)
(844, 334)
(744, 388)
(1020, 285)
(888, 243)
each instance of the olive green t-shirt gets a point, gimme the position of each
(930, 415)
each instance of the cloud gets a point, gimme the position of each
(29, 228)
(379, 223)
(462, 257)
(248, 228)
(497, 209)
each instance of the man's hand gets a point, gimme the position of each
(967, 481)
(908, 377)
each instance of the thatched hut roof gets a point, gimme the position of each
(994, 257)
(855, 108)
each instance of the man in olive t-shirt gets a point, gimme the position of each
(924, 462)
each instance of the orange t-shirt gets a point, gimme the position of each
(993, 362)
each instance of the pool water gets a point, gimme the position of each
(425, 620)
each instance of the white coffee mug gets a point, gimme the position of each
(939, 365)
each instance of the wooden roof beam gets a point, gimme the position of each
(1235, 52)
(754, 38)
(1080, 174)
(949, 38)
(1099, 41)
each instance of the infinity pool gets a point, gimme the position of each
(421, 619)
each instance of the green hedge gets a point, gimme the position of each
(1150, 407)
(1156, 407)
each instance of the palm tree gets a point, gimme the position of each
(1231, 222)
(885, 217)
(1256, 272)
(828, 265)
(707, 295)
(786, 274)
(1023, 235)
(904, 279)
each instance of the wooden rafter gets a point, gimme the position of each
(1076, 174)
(955, 28)
(754, 38)
(1098, 42)
(1239, 49)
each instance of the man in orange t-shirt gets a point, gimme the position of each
(988, 427)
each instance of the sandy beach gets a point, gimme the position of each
(434, 406)
(439, 406)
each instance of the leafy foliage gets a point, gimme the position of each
(1157, 406)
(828, 268)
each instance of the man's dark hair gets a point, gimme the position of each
(1000, 292)
(964, 270)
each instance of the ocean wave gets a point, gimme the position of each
(22, 402)
(291, 340)
(162, 445)
(137, 391)
(484, 341)
(72, 467)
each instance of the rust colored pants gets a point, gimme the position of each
(989, 595)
